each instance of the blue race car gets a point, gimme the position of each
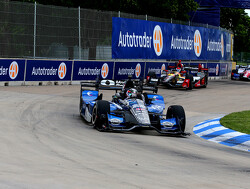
(130, 108)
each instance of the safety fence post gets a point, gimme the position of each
(79, 31)
(34, 45)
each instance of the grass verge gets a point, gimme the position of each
(238, 121)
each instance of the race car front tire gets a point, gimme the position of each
(205, 81)
(190, 77)
(99, 115)
(80, 105)
(177, 112)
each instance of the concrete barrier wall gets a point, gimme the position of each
(59, 72)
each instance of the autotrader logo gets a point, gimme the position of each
(197, 43)
(158, 40)
(13, 70)
(62, 70)
(104, 70)
(217, 69)
(222, 46)
(163, 67)
(138, 70)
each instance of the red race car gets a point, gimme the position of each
(181, 76)
(246, 74)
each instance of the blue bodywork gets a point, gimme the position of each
(117, 120)
(235, 76)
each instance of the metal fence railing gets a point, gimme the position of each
(31, 30)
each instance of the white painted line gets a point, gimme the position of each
(206, 124)
(242, 147)
(211, 131)
(247, 143)
(226, 136)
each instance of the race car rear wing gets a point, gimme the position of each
(154, 88)
(116, 85)
(103, 85)
(195, 68)
(189, 68)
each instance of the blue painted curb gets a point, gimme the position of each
(212, 130)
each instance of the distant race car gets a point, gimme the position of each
(180, 77)
(152, 79)
(130, 108)
(246, 74)
(201, 77)
(237, 74)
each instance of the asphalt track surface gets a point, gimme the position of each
(45, 144)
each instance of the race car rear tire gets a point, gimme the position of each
(99, 115)
(177, 112)
(146, 98)
(206, 81)
(152, 74)
(233, 72)
(190, 77)
(80, 105)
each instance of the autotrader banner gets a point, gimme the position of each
(141, 39)
(89, 70)
(213, 69)
(223, 69)
(12, 70)
(124, 69)
(156, 67)
(134, 39)
(48, 70)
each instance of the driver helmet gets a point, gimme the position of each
(131, 93)
(179, 65)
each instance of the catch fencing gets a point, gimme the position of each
(37, 31)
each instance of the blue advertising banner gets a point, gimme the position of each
(141, 39)
(89, 70)
(223, 69)
(124, 69)
(156, 67)
(12, 70)
(228, 46)
(186, 42)
(137, 39)
(213, 69)
(48, 70)
(218, 45)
